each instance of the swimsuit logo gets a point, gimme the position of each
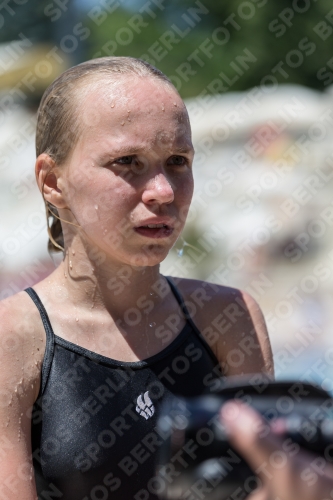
(144, 406)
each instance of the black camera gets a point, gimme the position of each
(196, 461)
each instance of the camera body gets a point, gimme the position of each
(196, 461)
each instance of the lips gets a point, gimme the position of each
(154, 230)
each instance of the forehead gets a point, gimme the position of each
(125, 85)
(142, 107)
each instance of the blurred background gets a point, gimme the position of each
(257, 79)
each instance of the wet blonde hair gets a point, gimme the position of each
(58, 125)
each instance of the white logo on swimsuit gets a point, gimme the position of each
(144, 406)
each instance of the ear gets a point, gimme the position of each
(47, 175)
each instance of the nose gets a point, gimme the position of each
(158, 190)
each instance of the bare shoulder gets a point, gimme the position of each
(19, 310)
(21, 353)
(22, 340)
(232, 324)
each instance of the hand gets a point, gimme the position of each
(286, 471)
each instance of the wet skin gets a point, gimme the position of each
(130, 168)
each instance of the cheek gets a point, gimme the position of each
(98, 193)
(185, 190)
(185, 193)
(111, 208)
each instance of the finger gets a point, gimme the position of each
(285, 475)
(244, 427)
(260, 494)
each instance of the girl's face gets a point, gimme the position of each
(129, 180)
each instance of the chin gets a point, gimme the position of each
(152, 256)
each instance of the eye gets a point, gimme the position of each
(178, 160)
(124, 160)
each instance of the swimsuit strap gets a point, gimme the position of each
(49, 348)
(188, 317)
(182, 304)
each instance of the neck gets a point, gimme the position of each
(93, 281)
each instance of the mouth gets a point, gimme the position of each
(154, 230)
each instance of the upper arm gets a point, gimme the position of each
(21, 351)
(249, 346)
(233, 326)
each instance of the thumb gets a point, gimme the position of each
(246, 429)
(285, 475)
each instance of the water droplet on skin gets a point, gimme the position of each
(112, 105)
(180, 252)
(152, 324)
(70, 265)
(96, 207)
(122, 123)
(76, 319)
(73, 252)
(105, 231)
(163, 108)
(175, 104)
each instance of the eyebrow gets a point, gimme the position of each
(129, 150)
(185, 149)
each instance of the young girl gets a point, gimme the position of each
(89, 354)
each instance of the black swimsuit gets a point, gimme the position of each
(94, 431)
